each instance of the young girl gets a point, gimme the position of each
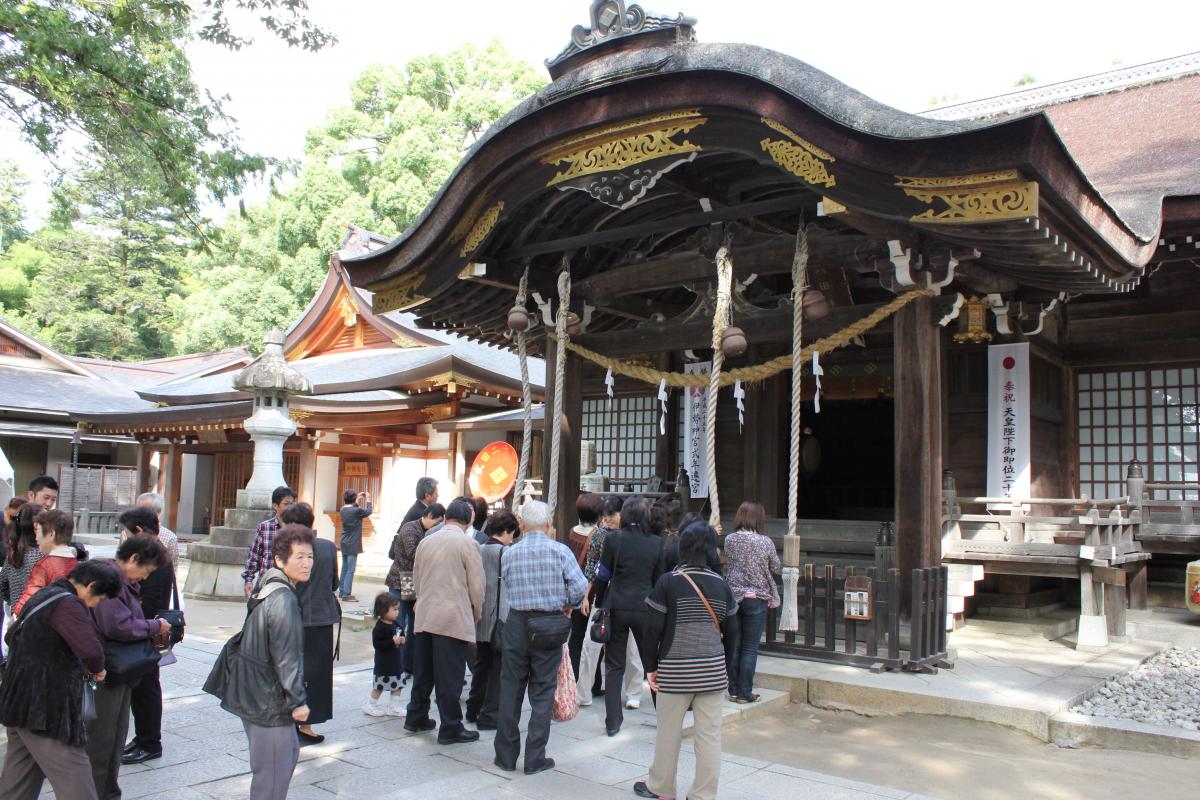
(388, 666)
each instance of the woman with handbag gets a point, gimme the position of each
(690, 611)
(259, 675)
(399, 580)
(130, 656)
(53, 652)
(483, 701)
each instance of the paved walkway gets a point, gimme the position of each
(204, 755)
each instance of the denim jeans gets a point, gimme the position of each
(404, 623)
(743, 653)
(348, 562)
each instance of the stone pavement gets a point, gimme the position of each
(204, 754)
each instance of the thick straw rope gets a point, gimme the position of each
(720, 322)
(758, 372)
(560, 370)
(789, 618)
(526, 400)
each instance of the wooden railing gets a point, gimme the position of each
(1169, 526)
(97, 522)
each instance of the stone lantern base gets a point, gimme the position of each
(215, 572)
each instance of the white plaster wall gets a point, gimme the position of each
(185, 519)
(206, 467)
(327, 491)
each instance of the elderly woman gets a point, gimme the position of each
(53, 650)
(752, 566)
(690, 611)
(259, 675)
(122, 625)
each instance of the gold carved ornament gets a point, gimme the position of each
(480, 230)
(972, 322)
(398, 293)
(625, 144)
(798, 156)
(983, 197)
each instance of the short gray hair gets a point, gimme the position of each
(536, 515)
(426, 487)
(153, 500)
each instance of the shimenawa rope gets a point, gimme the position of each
(560, 369)
(720, 322)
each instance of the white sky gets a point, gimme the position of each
(901, 52)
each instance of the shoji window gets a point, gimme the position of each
(625, 435)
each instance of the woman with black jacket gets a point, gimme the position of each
(53, 650)
(630, 565)
(259, 675)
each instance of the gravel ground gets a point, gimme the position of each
(1163, 691)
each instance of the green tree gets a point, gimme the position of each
(12, 191)
(113, 246)
(117, 73)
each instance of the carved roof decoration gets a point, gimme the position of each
(613, 20)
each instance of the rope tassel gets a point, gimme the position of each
(789, 616)
(791, 545)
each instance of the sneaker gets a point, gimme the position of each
(349, 598)
(633, 702)
(373, 709)
(585, 703)
(396, 709)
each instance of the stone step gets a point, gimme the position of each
(965, 572)
(955, 603)
(205, 553)
(960, 588)
(1053, 625)
(1005, 612)
(246, 518)
(231, 537)
(1044, 597)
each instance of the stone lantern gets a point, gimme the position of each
(272, 381)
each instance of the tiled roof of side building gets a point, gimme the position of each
(46, 391)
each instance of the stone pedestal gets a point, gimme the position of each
(215, 571)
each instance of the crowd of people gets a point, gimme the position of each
(630, 601)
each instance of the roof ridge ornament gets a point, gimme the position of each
(616, 19)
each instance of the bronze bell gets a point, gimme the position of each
(733, 342)
(815, 305)
(518, 319)
(574, 324)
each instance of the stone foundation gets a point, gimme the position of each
(215, 572)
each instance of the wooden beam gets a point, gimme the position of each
(918, 432)
(683, 222)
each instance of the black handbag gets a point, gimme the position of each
(600, 626)
(548, 632)
(128, 662)
(174, 617)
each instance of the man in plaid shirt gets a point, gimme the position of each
(262, 552)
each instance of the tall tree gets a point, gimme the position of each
(117, 73)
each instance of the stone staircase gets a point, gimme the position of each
(216, 565)
(1040, 613)
(961, 580)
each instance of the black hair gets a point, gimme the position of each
(425, 487)
(42, 482)
(480, 507)
(612, 505)
(695, 543)
(299, 514)
(349, 496)
(21, 536)
(139, 519)
(384, 601)
(588, 507)
(658, 517)
(460, 510)
(101, 575)
(288, 537)
(147, 550)
(689, 518)
(502, 522)
(280, 493)
(435, 511)
(633, 513)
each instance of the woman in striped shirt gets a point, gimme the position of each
(691, 611)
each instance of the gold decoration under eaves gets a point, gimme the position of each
(624, 144)
(298, 415)
(482, 227)
(798, 156)
(982, 197)
(398, 294)
(972, 322)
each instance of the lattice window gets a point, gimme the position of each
(1149, 414)
(625, 435)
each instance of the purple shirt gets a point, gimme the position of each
(121, 618)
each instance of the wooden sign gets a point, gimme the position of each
(860, 597)
(355, 469)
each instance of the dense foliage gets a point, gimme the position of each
(115, 273)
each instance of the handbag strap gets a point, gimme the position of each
(587, 542)
(174, 591)
(29, 612)
(708, 606)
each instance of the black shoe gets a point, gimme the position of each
(503, 766)
(547, 763)
(642, 790)
(419, 726)
(461, 736)
(613, 731)
(129, 748)
(309, 738)
(486, 726)
(140, 755)
(471, 718)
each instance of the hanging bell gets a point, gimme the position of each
(815, 305)
(733, 342)
(574, 324)
(518, 319)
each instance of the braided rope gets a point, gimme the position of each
(720, 322)
(560, 371)
(526, 401)
(757, 372)
(789, 617)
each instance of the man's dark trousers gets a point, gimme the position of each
(520, 667)
(484, 698)
(438, 662)
(146, 704)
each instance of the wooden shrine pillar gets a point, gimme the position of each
(308, 471)
(918, 436)
(172, 469)
(572, 428)
(142, 475)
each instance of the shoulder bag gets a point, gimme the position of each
(707, 606)
(174, 617)
(602, 620)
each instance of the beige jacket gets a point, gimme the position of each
(448, 580)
